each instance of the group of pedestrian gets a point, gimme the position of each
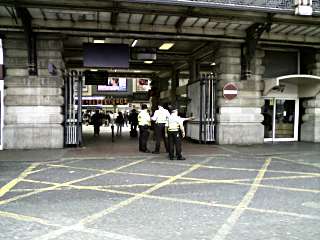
(167, 126)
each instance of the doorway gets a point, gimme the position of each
(281, 119)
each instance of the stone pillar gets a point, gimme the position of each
(310, 128)
(239, 120)
(33, 104)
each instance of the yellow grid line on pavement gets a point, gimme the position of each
(67, 183)
(93, 217)
(6, 188)
(227, 227)
(26, 218)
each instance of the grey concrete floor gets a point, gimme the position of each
(269, 191)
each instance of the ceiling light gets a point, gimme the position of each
(136, 71)
(213, 64)
(98, 41)
(148, 62)
(134, 43)
(166, 46)
(94, 70)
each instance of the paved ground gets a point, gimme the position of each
(110, 191)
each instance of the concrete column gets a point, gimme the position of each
(239, 120)
(33, 104)
(310, 128)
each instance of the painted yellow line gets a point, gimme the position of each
(67, 183)
(6, 188)
(297, 162)
(231, 221)
(93, 217)
(27, 218)
(211, 204)
(240, 169)
(137, 197)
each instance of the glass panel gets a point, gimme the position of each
(285, 112)
(267, 111)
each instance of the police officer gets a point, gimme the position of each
(174, 127)
(160, 117)
(144, 123)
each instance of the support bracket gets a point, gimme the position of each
(254, 33)
(26, 20)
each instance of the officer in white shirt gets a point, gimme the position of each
(160, 117)
(144, 124)
(174, 127)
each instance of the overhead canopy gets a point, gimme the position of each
(308, 85)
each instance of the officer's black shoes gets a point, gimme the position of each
(156, 152)
(181, 158)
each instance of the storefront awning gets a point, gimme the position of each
(308, 85)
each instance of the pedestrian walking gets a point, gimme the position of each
(96, 120)
(144, 123)
(160, 117)
(119, 122)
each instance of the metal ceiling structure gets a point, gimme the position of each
(194, 26)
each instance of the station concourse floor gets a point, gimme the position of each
(109, 190)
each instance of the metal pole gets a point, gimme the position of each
(79, 109)
(201, 112)
(206, 88)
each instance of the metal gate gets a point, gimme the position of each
(207, 108)
(202, 106)
(73, 108)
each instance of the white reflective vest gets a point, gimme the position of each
(144, 118)
(161, 116)
(174, 123)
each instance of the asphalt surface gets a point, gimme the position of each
(269, 191)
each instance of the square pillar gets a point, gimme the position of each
(239, 120)
(33, 104)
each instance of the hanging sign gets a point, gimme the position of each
(230, 91)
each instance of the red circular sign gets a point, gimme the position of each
(230, 91)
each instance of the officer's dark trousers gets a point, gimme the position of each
(160, 133)
(143, 138)
(174, 141)
(96, 129)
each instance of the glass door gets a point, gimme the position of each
(281, 119)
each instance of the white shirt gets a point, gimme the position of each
(161, 115)
(144, 118)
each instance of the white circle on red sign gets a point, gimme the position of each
(230, 91)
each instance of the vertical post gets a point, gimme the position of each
(79, 109)
(201, 108)
(206, 87)
(1, 95)
(66, 90)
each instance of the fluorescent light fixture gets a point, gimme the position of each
(166, 46)
(94, 70)
(148, 62)
(98, 41)
(134, 43)
(136, 71)
(213, 64)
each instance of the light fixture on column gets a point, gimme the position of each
(134, 43)
(98, 41)
(166, 46)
